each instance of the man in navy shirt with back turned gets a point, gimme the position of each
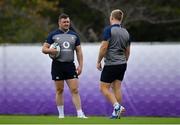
(63, 67)
(115, 49)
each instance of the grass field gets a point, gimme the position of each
(21, 119)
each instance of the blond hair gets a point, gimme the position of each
(117, 14)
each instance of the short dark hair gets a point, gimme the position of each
(63, 15)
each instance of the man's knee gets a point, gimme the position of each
(59, 91)
(74, 91)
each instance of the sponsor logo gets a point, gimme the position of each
(66, 44)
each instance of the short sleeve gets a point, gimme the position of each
(49, 39)
(129, 41)
(107, 33)
(77, 41)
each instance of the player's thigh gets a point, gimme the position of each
(57, 71)
(120, 69)
(116, 85)
(107, 75)
(59, 85)
(70, 72)
(104, 86)
(72, 83)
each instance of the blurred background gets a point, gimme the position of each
(146, 20)
(151, 86)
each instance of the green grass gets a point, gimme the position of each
(21, 119)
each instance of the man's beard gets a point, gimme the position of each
(64, 29)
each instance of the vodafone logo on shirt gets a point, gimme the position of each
(66, 44)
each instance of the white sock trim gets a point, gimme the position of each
(80, 112)
(116, 105)
(61, 110)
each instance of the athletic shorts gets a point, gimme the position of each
(63, 70)
(113, 72)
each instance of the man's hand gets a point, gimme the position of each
(53, 51)
(79, 70)
(47, 50)
(99, 67)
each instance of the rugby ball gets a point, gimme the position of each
(57, 47)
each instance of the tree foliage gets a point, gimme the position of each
(30, 21)
(25, 21)
(144, 17)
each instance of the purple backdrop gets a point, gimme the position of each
(151, 86)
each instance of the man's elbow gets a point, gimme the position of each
(104, 48)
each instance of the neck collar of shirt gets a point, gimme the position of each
(63, 30)
(116, 24)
